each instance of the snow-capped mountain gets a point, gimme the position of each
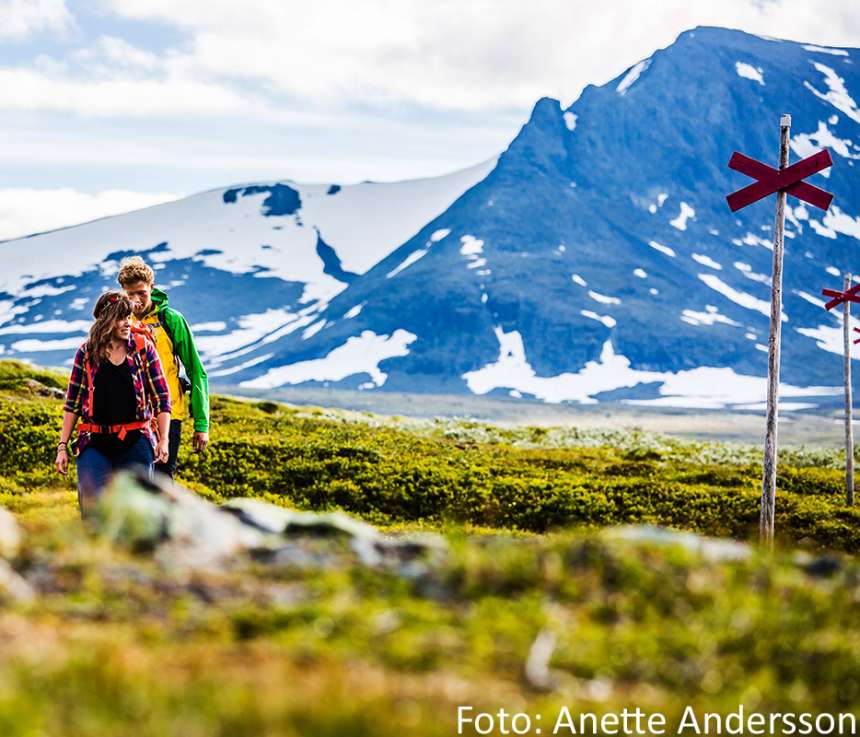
(595, 259)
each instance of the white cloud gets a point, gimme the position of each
(111, 55)
(331, 91)
(449, 54)
(22, 18)
(25, 211)
(35, 90)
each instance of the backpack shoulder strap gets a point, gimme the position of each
(161, 315)
(142, 340)
(88, 369)
(141, 336)
(162, 321)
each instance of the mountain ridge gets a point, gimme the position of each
(594, 259)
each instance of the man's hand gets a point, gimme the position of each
(200, 441)
(162, 450)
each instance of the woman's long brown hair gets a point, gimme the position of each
(110, 307)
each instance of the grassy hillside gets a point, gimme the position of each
(450, 473)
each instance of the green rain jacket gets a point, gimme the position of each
(175, 344)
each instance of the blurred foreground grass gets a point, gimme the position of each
(122, 644)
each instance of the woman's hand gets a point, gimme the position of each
(162, 450)
(62, 461)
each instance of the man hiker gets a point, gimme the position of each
(175, 345)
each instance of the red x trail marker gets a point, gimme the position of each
(785, 180)
(850, 295)
(770, 180)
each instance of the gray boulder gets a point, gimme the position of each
(709, 548)
(185, 530)
(10, 534)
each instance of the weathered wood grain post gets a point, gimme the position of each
(785, 180)
(849, 429)
(774, 346)
(848, 295)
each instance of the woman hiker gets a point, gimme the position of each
(117, 387)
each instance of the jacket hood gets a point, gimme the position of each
(158, 297)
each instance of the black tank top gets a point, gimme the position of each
(114, 403)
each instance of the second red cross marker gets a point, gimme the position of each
(849, 295)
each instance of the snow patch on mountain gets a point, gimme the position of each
(686, 213)
(360, 354)
(722, 388)
(837, 95)
(34, 345)
(311, 331)
(751, 239)
(710, 316)
(631, 76)
(251, 329)
(823, 50)
(241, 366)
(822, 230)
(607, 320)
(806, 144)
(243, 233)
(827, 337)
(738, 297)
(747, 271)
(366, 222)
(471, 246)
(660, 247)
(216, 326)
(407, 262)
(840, 222)
(48, 326)
(706, 261)
(706, 387)
(748, 71)
(603, 299)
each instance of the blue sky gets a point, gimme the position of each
(109, 105)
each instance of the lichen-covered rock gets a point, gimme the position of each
(184, 529)
(371, 546)
(44, 390)
(10, 534)
(13, 586)
(712, 549)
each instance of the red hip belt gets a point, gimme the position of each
(120, 430)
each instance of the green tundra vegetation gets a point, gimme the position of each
(444, 473)
(118, 642)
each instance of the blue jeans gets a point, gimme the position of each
(95, 470)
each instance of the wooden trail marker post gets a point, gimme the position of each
(848, 295)
(785, 180)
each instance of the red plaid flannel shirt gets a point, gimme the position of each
(150, 388)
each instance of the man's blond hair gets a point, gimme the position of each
(134, 269)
